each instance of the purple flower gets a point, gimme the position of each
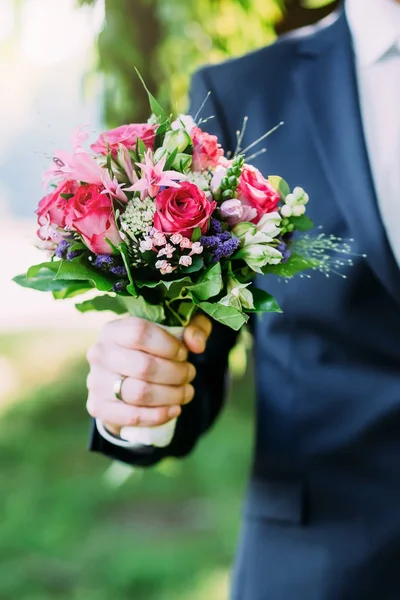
(73, 254)
(284, 249)
(62, 249)
(109, 263)
(119, 270)
(216, 225)
(103, 261)
(221, 245)
(119, 286)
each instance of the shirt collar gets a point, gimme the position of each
(375, 28)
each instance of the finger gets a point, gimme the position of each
(139, 334)
(143, 366)
(197, 333)
(122, 415)
(136, 392)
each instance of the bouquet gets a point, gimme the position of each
(161, 224)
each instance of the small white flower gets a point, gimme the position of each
(185, 261)
(290, 199)
(167, 251)
(146, 244)
(186, 243)
(159, 239)
(176, 238)
(298, 210)
(162, 264)
(286, 211)
(197, 248)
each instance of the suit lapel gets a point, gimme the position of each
(326, 63)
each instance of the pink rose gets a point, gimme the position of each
(207, 152)
(257, 192)
(91, 214)
(181, 210)
(52, 208)
(126, 135)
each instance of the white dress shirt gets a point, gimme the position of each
(375, 28)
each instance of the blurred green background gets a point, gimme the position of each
(73, 525)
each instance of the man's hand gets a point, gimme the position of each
(158, 375)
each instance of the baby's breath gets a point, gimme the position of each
(138, 217)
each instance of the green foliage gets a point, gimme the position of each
(166, 40)
(227, 315)
(296, 264)
(69, 530)
(101, 303)
(264, 302)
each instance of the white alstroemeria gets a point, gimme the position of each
(238, 295)
(259, 255)
(270, 224)
(178, 139)
(184, 122)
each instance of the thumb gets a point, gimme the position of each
(197, 333)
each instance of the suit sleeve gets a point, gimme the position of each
(198, 416)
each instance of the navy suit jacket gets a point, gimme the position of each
(322, 513)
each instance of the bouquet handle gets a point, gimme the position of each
(159, 436)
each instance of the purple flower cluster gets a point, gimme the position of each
(63, 250)
(109, 263)
(221, 245)
(284, 249)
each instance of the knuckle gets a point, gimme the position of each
(143, 393)
(160, 416)
(145, 366)
(140, 329)
(134, 418)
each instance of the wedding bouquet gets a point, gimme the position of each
(162, 224)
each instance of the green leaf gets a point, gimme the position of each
(45, 282)
(197, 264)
(141, 147)
(48, 266)
(227, 315)
(294, 265)
(160, 133)
(75, 270)
(170, 160)
(209, 284)
(196, 235)
(77, 246)
(154, 105)
(280, 185)
(67, 196)
(186, 310)
(72, 290)
(264, 302)
(123, 249)
(302, 223)
(100, 303)
(138, 307)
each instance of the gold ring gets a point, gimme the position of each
(118, 387)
